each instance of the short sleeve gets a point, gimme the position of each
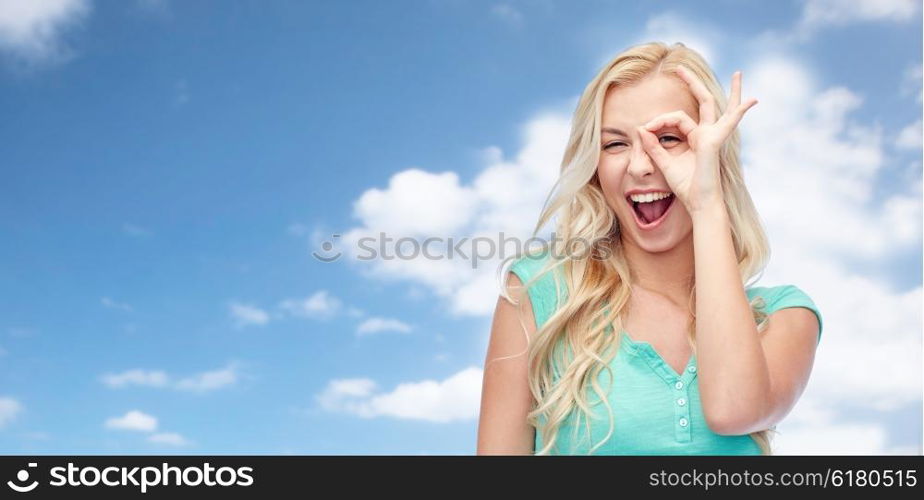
(784, 296)
(542, 293)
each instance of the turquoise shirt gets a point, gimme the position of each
(656, 410)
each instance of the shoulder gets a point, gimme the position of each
(545, 287)
(528, 265)
(784, 296)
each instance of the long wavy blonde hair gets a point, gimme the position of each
(598, 287)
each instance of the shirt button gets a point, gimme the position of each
(679, 385)
(681, 401)
(691, 369)
(683, 422)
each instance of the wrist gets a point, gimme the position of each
(709, 210)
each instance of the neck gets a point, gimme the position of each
(669, 273)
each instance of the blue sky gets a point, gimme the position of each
(169, 168)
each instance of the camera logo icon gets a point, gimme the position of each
(328, 247)
(22, 476)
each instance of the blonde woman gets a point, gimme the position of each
(652, 340)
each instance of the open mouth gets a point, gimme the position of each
(649, 215)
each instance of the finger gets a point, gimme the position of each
(653, 147)
(731, 119)
(699, 90)
(735, 98)
(679, 119)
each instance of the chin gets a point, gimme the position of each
(659, 245)
(678, 230)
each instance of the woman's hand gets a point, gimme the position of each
(693, 175)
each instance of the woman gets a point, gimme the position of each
(651, 176)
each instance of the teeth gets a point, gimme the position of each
(648, 197)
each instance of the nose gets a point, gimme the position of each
(640, 164)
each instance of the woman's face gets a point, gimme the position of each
(625, 166)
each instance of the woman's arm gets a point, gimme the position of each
(505, 396)
(748, 382)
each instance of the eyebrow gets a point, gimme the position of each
(614, 131)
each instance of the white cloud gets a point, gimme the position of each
(417, 203)
(670, 27)
(478, 295)
(866, 323)
(911, 83)
(320, 305)
(346, 388)
(812, 169)
(246, 314)
(136, 231)
(666, 26)
(910, 137)
(9, 409)
(455, 398)
(31, 31)
(843, 12)
(819, 14)
(507, 13)
(298, 229)
(106, 301)
(200, 382)
(832, 439)
(378, 325)
(210, 380)
(816, 428)
(506, 196)
(151, 378)
(169, 439)
(134, 420)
